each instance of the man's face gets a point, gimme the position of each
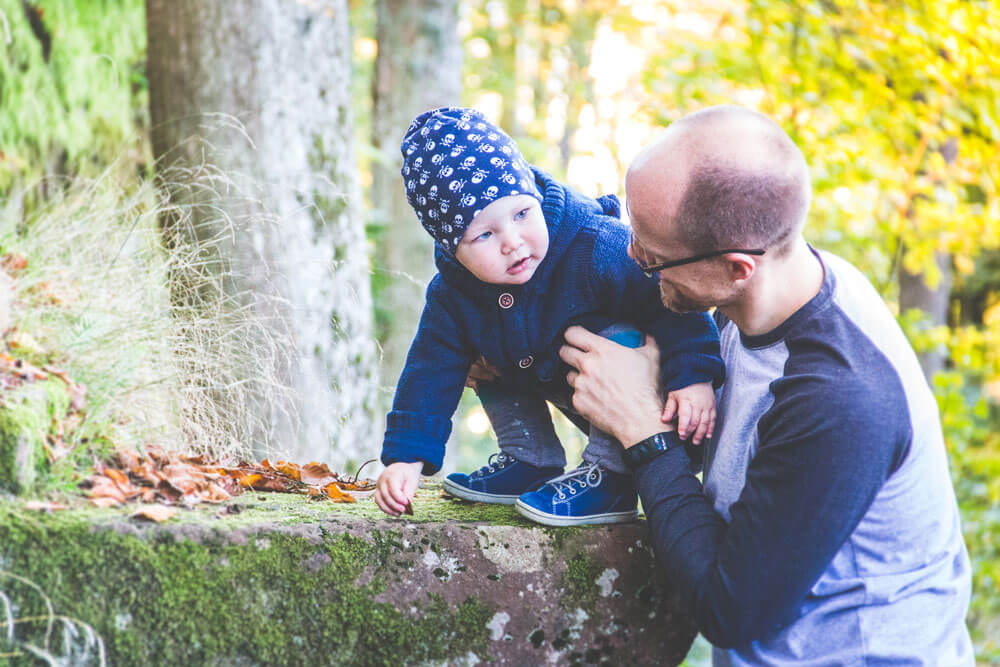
(683, 289)
(654, 187)
(506, 242)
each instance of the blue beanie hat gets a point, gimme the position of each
(455, 164)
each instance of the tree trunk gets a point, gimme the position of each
(418, 67)
(933, 302)
(253, 97)
(914, 292)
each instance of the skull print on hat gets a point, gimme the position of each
(472, 163)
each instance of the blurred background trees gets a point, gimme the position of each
(896, 105)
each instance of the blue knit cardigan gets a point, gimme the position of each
(586, 278)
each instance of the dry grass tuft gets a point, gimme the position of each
(171, 352)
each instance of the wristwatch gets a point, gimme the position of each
(651, 447)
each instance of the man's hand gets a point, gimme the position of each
(396, 486)
(694, 407)
(615, 387)
(481, 371)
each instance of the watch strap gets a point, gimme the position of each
(651, 447)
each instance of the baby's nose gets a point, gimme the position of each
(511, 241)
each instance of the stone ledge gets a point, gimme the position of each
(275, 579)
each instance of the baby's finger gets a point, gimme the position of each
(684, 419)
(382, 505)
(699, 434)
(385, 486)
(669, 410)
(398, 495)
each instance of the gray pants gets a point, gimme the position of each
(523, 425)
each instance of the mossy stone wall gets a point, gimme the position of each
(279, 580)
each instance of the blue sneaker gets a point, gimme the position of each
(501, 480)
(589, 494)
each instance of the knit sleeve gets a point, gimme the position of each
(688, 342)
(429, 388)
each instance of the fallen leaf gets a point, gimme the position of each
(249, 480)
(117, 475)
(13, 261)
(334, 493)
(157, 513)
(104, 501)
(290, 469)
(317, 473)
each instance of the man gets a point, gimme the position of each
(826, 531)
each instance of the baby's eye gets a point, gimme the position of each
(521, 215)
(484, 236)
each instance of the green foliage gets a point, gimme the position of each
(74, 107)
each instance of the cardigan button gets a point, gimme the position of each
(506, 300)
(527, 361)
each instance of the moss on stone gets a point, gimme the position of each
(580, 582)
(290, 509)
(279, 598)
(25, 417)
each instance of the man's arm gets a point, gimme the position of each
(813, 477)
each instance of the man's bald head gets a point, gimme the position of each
(725, 177)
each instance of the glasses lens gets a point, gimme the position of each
(637, 254)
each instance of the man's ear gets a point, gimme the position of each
(741, 267)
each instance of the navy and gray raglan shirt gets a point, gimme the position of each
(827, 530)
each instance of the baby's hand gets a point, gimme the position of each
(694, 407)
(396, 486)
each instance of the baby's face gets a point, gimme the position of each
(506, 242)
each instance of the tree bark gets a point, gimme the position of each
(933, 302)
(914, 292)
(418, 67)
(253, 97)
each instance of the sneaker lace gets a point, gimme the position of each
(498, 459)
(588, 474)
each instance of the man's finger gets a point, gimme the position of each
(571, 378)
(571, 355)
(669, 410)
(582, 339)
(648, 344)
(711, 424)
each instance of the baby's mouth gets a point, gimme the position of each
(519, 265)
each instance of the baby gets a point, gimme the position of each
(520, 258)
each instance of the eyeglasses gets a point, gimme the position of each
(639, 255)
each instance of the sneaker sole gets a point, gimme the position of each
(538, 516)
(476, 496)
